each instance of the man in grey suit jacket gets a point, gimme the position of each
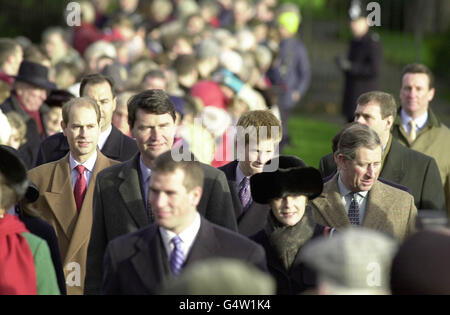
(121, 192)
(138, 263)
(401, 165)
(355, 196)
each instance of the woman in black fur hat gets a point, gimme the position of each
(286, 185)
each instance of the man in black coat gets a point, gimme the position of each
(362, 65)
(121, 192)
(138, 263)
(27, 98)
(401, 165)
(112, 142)
(251, 217)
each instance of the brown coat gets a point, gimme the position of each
(56, 205)
(388, 209)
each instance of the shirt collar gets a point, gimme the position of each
(344, 191)
(89, 164)
(187, 236)
(420, 121)
(103, 137)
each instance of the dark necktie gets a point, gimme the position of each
(353, 211)
(177, 256)
(80, 187)
(244, 193)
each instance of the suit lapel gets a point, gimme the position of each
(131, 196)
(60, 197)
(329, 205)
(111, 148)
(148, 261)
(205, 244)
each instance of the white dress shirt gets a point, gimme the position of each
(89, 169)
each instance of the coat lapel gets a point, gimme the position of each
(329, 205)
(394, 167)
(148, 262)
(377, 209)
(60, 197)
(205, 244)
(111, 148)
(131, 196)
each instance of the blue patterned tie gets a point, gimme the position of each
(244, 193)
(353, 211)
(177, 256)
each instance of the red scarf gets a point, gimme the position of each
(17, 271)
(6, 78)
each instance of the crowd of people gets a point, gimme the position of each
(141, 153)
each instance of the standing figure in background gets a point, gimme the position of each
(362, 65)
(291, 70)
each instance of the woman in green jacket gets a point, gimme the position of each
(26, 263)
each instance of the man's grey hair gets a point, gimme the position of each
(354, 137)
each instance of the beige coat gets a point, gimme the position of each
(56, 205)
(389, 210)
(433, 140)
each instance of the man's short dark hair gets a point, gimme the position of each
(185, 64)
(94, 79)
(420, 68)
(193, 172)
(155, 73)
(388, 106)
(150, 101)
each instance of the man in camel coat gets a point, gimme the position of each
(67, 189)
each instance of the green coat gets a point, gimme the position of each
(432, 140)
(45, 272)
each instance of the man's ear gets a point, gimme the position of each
(63, 127)
(431, 94)
(114, 102)
(340, 160)
(195, 195)
(389, 121)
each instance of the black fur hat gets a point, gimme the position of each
(291, 176)
(14, 171)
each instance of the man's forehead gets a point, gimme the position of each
(410, 77)
(366, 153)
(102, 89)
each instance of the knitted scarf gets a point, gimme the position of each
(17, 271)
(286, 241)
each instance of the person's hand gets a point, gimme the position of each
(343, 63)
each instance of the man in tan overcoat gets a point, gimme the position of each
(66, 188)
(354, 196)
(418, 127)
